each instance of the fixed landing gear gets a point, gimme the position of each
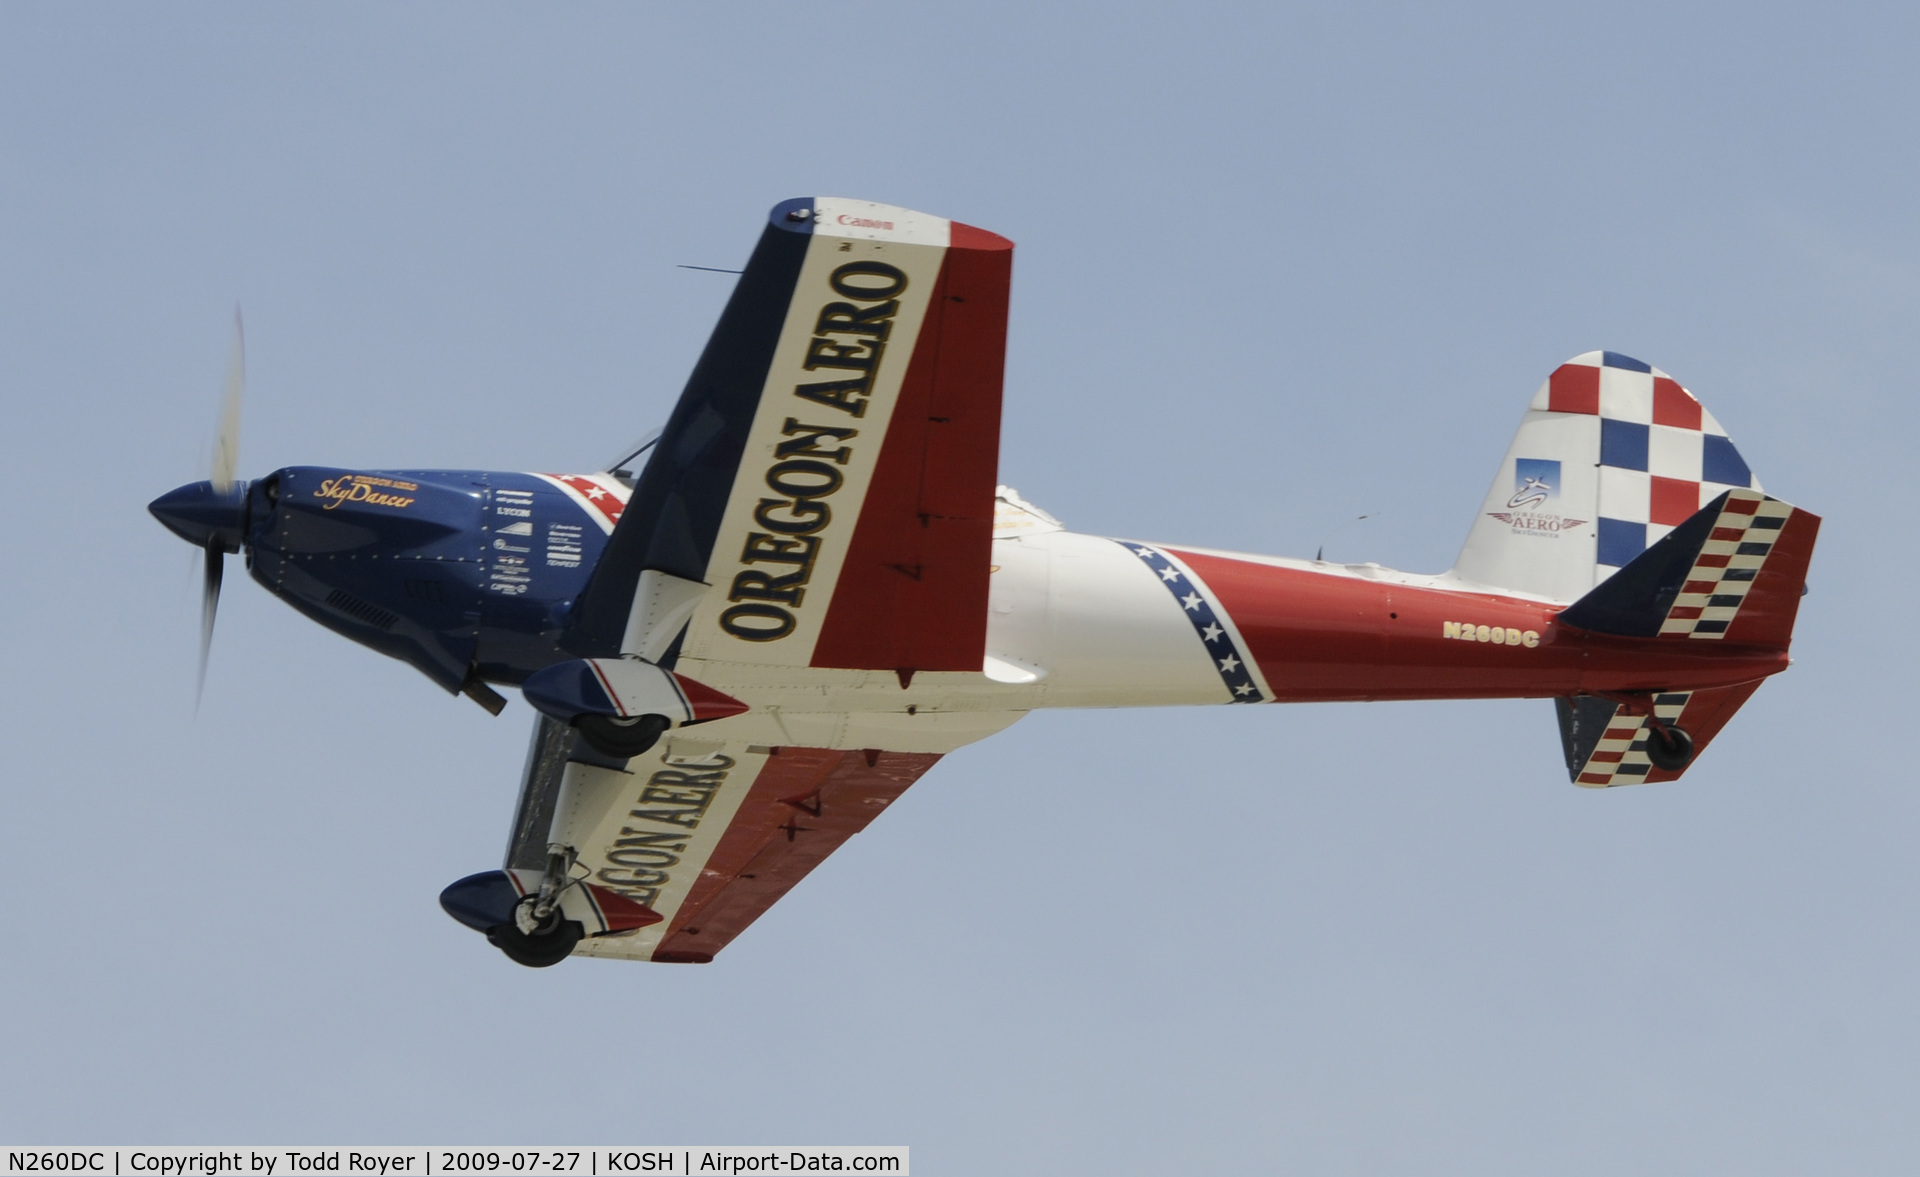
(622, 739)
(1668, 747)
(535, 941)
(538, 935)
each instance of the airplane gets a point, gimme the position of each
(742, 649)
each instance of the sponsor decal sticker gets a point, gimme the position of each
(658, 828)
(363, 488)
(849, 341)
(1536, 490)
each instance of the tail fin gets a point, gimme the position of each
(1735, 571)
(1611, 456)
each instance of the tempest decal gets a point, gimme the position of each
(1467, 631)
(359, 488)
(1232, 669)
(565, 545)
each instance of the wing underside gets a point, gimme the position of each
(815, 527)
(829, 471)
(708, 841)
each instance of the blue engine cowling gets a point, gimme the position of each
(462, 574)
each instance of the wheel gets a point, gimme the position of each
(621, 738)
(1670, 749)
(544, 947)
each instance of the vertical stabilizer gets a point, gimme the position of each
(1611, 456)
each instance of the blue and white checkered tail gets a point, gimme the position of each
(1611, 456)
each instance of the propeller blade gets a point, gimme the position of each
(209, 605)
(226, 443)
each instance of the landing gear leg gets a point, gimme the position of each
(539, 936)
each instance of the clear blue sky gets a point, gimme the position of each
(1277, 267)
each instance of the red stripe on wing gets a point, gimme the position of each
(803, 806)
(912, 594)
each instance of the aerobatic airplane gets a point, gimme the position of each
(813, 589)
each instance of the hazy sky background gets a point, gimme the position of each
(1277, 267)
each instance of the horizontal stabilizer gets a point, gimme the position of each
(1735, 569)
(1606, 746)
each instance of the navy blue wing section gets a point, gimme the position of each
(675, 512)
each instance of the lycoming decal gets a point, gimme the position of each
(849, 337)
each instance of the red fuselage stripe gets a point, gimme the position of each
(1324, 637)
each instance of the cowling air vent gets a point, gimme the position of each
(359, 610)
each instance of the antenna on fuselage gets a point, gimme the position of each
(621, 469)
(1319, 555)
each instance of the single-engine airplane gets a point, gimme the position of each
(813, 589)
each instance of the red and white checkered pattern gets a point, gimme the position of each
(1735, 551)
(1620, 758)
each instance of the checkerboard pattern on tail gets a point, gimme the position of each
(1611, 456)
(1662, 455)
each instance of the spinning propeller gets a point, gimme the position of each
(212, 515)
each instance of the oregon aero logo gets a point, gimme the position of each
(1536, 487)
(849, 338)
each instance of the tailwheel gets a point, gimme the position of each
(1668, 747)
(534, 941)
(622, 739)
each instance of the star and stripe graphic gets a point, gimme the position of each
(1209, 623)
(601, 495)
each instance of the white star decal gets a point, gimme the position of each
(1244, 688)
(1169, 573)
(1191, 601)
(596, 493)
(1144, 553)
(1229, 664)
(1212, 633)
